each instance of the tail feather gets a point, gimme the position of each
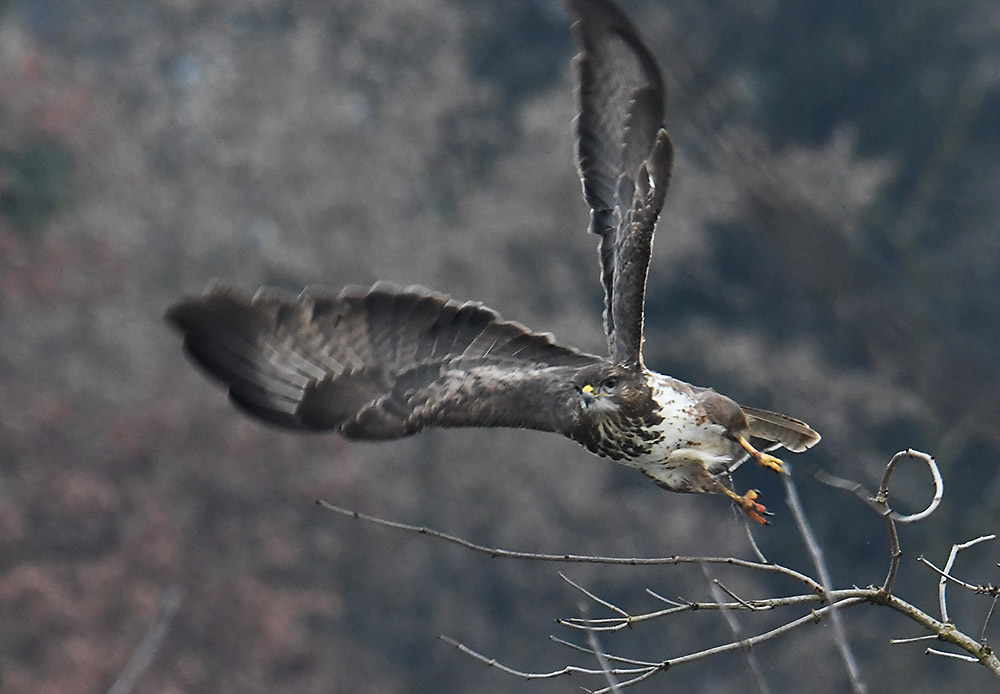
(793, 434)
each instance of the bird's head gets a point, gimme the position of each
(604, 388)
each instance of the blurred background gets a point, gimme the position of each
(829, 249)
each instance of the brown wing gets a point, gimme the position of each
(379, 363)
(620, 141)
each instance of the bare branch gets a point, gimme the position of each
(914, 639)
(575, 558)
(819, 561)
(629, 671)
(946, 576)
(880, 502)
(753, 541)
(568, 670)
(737, 631)
(946, 654)
(883, 490)
(944, 631)
(855, 488)
(595, 649)
(758, 605)
(602, 660)
(716, 582)
(989, 616)
(599, 601)
(881, 497)
(663, 599)
(150, 643)
(642, 673)
(595, 652)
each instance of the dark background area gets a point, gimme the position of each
(829, 249)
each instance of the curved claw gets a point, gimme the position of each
(749, 505)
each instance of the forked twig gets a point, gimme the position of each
(946, 576)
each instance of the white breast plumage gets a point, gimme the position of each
(686, 436)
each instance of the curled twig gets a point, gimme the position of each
(879, 501)
(883, 489)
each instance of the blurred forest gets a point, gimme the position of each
(829, 249)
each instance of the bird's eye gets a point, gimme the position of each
(610, 382)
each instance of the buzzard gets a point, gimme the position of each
(385, 362)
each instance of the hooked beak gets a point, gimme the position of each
(588, 395)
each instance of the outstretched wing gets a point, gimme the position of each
(624, 157)
(379, 363)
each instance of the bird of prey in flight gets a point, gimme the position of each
(385, 362)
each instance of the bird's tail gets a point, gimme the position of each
(782, 430)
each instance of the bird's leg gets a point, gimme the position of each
(703, 482)
(763, 459)
(749, 505)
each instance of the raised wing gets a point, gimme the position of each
(624, 157)
(379, 363)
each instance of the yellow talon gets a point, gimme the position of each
(748, 504)
(763, 459)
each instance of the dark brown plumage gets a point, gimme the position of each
(387, 362)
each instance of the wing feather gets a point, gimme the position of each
(622, 104)
(379, 363)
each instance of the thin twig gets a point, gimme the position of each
(756, 605)
(816, 553)
(946, 654)
(945, 632)
(575, 558)
(603, 659)
(599, 601)
(150, 643)
(945, 577)
(946, 573)
(880, 502)
(608, 656)
(568, 670)
(989, 616)
(716, 582)
(737, 630)
(881, 497)
(659, 597)
(914, 639)
(641, 673)
(753, 542)
(883, 490)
